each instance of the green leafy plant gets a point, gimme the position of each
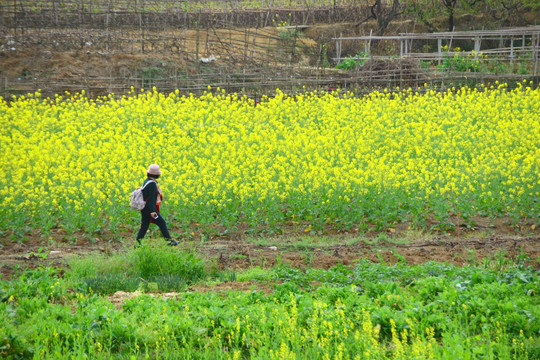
(461, 63)
(352, 63)
(429, 310)
(40, 253)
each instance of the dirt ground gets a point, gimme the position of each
(488, 240)
(50, 56)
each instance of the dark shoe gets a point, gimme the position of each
(173, 243)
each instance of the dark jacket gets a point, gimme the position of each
(150, 193)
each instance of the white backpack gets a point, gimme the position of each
(136, 201)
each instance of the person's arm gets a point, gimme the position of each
(151, 196)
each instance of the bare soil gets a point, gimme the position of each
(40, 58)
(488, 240)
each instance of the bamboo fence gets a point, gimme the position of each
(159, 14)
(510, 45)
(256, 84)
(251, 60)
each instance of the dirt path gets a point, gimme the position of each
(301, 252)
(460, 252)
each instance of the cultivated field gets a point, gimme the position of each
(320, 162)
(395, 225)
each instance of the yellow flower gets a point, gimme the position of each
(318, 155)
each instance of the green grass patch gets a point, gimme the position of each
(257, 273)
(305, 242)
(148, 267)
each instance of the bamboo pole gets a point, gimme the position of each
(535, 53)
(141, 28)
(452, 38)
(107, 27)
(197, 47)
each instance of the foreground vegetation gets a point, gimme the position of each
(319, 161)
(368, 311)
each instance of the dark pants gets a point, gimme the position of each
(145, 224)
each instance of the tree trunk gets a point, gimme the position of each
(450, 9)
(383, 20)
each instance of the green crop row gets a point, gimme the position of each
(367, 311)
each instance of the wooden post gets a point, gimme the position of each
(184, 40)
(439, 50)
(535, 43)
(55, 14)
(141, 28)
(365, 43)
(369, 43)
(254, 43)
(197, 45)
(371, 74)
(230, 46)
(245, 44)
(401, 74)
(512, 51)
(206, 44)
(107, 28)
(476, 47)
(406, 47)
(338, 50)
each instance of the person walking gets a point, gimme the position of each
(150, 214)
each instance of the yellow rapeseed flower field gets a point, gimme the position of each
(329, 159)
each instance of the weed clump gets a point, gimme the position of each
(147, 268)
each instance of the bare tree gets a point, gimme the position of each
(383, 15)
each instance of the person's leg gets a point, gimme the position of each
(164, 230)
(145, 223)
(163, 227)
